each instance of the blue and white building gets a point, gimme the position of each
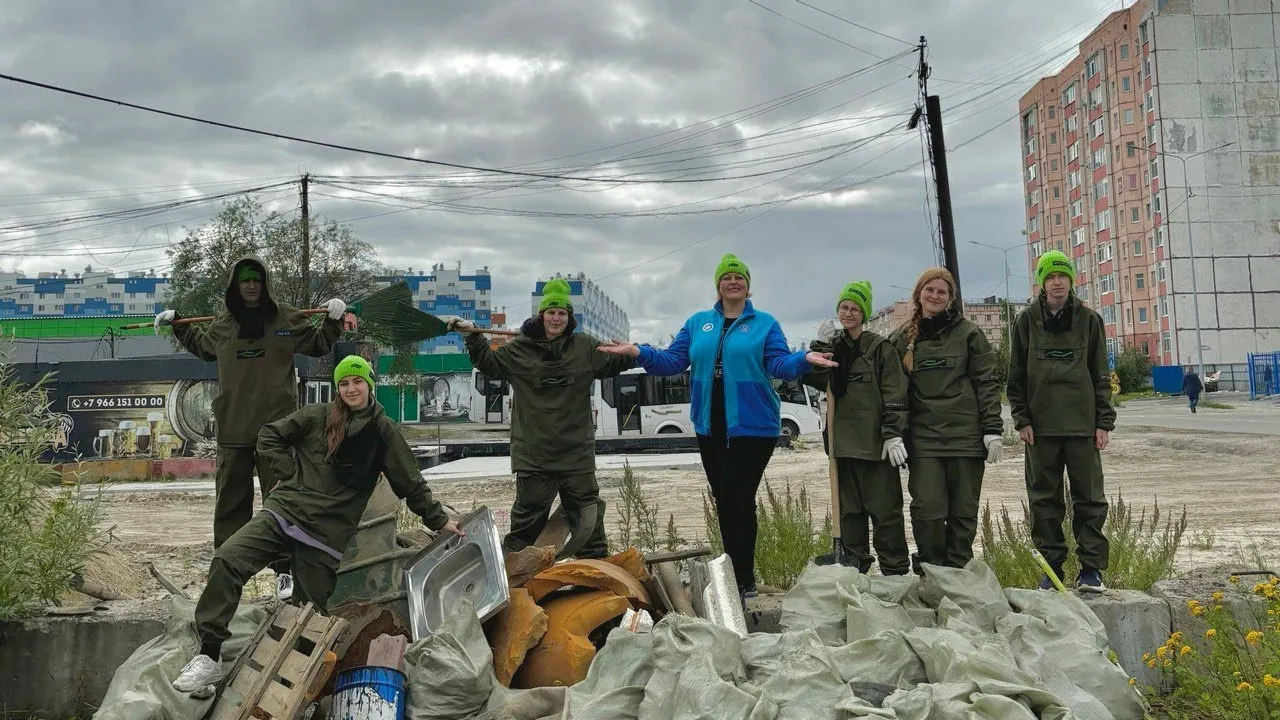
(446, 291)
(87, 294)
(597, 314)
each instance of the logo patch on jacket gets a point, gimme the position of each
(931, 363)
(859, 377)
(553, 381)
(284, 333)
(1060, 354)
(251, 353)
(708, 327)
(746, 328)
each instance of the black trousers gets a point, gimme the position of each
(734, 470)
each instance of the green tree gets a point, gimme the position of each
(1133, 367)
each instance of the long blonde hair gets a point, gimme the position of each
(335, 426)
(912, 327)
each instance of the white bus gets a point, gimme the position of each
(637, 403)
(490, 400)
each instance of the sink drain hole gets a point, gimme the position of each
(470, 588)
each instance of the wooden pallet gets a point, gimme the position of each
(276, 672)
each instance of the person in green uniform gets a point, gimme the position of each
(869, 389)
(553, 449)
(327, 459)
(253, 341)
(1060, 395)
(954, 419)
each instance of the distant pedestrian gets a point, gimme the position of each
(1060, 397)
(1192, 385)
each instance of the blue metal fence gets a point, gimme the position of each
(1264, 374)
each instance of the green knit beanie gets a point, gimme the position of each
(1055, 261)
(247, 272)
(353, 365)
(731, 264)
(555, 294)
(860, 293)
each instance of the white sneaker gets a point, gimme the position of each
(284, 586)
(200, 672)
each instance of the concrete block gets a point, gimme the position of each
(61, 666)
(1258, 99)
(1220, 131)
(1267, 309)
(1255, 65)
(1232, 274)
(1264, 168)
(1261, 133)
(97, 471)
(1215, 66)
(1177, 67)
(1224, 169)
(1136, 623)
(1178, 592)
(764, 614)
(1174, 32)
(1213, 32)
(1244, 7)
(1216, 101)
(1209, 7)
(1249, 31)
(1181, 136)
(1235, 310)
(1180, 101)
(1266, 274)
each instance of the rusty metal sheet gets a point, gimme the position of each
(565, 652)
(528, 562)
(513, 632)
(598, 574)
(632, 561)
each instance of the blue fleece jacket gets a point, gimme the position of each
(754, 350)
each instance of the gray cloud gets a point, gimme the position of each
(521, 82)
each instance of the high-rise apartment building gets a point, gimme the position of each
(1156, 150)
(597, 314)
(446, 291)
(84, 294)
(986, 314)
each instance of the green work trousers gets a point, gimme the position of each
(535, 491)
(1045, 462)
(233, 485)
(871, 494)
(260, 542)
(944, 507)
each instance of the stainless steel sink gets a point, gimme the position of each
(451, 569)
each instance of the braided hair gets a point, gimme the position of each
(912, 328)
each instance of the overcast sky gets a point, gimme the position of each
(643, 89)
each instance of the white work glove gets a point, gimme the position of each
(335, 307)
(458, 324)
(828, 331)
(995, 447)
(163, 318)
(895, 451)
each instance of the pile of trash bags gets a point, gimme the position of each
(950, 645)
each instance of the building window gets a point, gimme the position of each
(1126, 84)
(1037, 249)
(1097, 127)
(1106, 284)
(1082, 292)
(1160, 272)
(1102, 221)
(1077, 236)
(1128, 118)
(1069, 95)
(1150, 103)
(1053, 138)
(1109, 317)
(1139, 281)
(1133, 177)
(1031, 172)
(1053, 165)
(1057, 192)
(1133, 214)
(1164, 307)
(1091, 66)
(1103, 253)
(1073, 123)
(1160, 237)
(1077, 208)
(1051, 113)
(1073, 179)
(1124, 51)
(1137, 248)
(1057, 219)
(1100, 157)
(1095, 98)
(1101, 189)
(1166, 342)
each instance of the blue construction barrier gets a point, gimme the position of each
(1264, 374)
(1167, 379)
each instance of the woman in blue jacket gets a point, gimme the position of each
(733, 350)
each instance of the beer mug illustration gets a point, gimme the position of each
(143, 439)
(104, 444)
(153, 422)
(164, 446)
(126, 438)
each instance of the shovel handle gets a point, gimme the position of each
(490, 331)
(206, 318)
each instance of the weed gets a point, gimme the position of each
(673, 541)
(637, 515)
(44, 539)
(786, 540)
(711, 520)
(1143, 549)
(1212, 405)
(1234, 670)
(1203, 539)
(1251, 557)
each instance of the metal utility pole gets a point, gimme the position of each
(1008, 306)
(942, 181)
(306, 243)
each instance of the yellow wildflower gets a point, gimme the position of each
(1133, 682)
(1243, 686)
(1176, 637)
(1217, 596)
(1186, 650)
(1168, 664)
(1151, 663)
(1146, 657)
(1235, 579)
(1270, 681)
(1160, 651)
(1210, 633)
(1217, 608)
(1192, 604)
(1236, 674)
(1197, 611)
(1253, 637)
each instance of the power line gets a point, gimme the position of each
(850, 22)
(825, 35)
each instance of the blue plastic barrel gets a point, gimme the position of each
(369, 693)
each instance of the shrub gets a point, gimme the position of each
(1133, 368)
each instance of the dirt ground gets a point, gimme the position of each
(1226, 482)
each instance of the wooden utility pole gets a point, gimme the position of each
(306, 244)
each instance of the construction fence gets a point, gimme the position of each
(1264, 374)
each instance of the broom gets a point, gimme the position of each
(380, 308)
(413, 325)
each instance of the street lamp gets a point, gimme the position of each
(1008, 310)
(1191, 248)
